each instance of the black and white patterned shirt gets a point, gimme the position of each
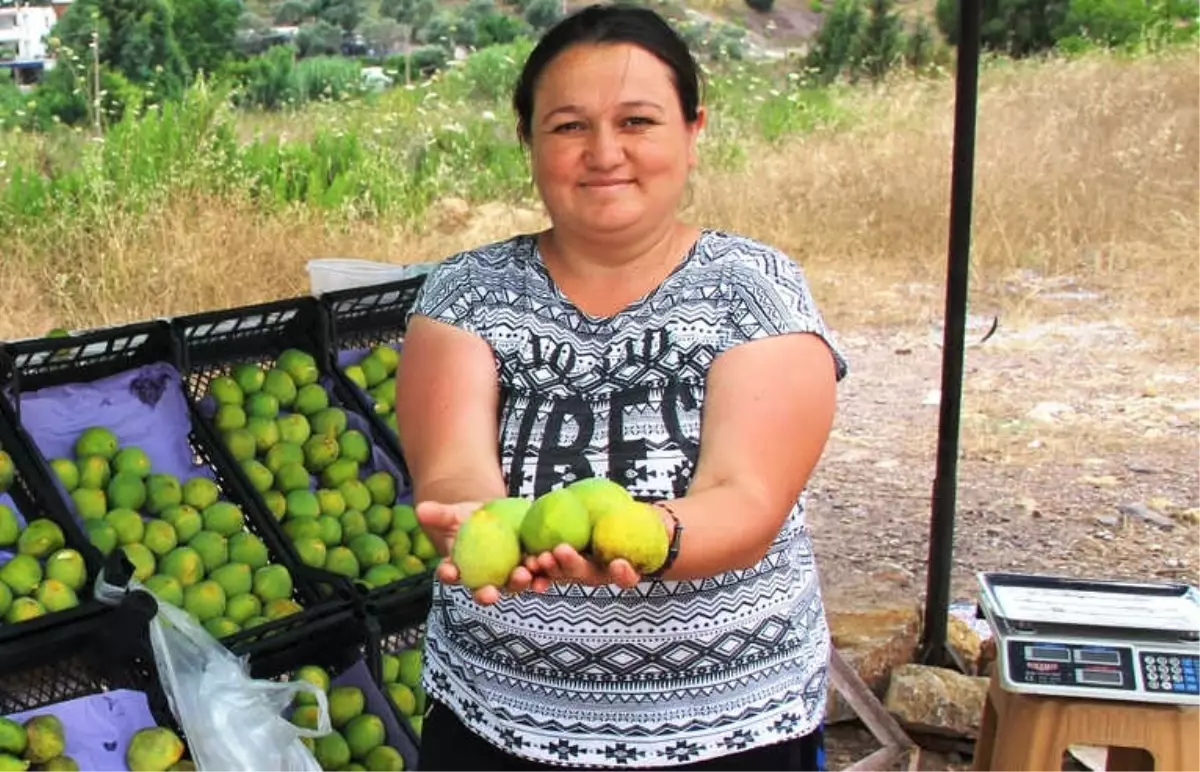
(667, 672)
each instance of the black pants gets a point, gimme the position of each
(447, 744)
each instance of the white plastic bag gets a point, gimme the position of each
(232, 721)
(337, 273)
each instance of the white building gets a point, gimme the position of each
(23, 32)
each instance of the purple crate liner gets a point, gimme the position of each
(359, 675)
(144, 406)
(99, 726)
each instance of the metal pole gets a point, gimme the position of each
(941, 526)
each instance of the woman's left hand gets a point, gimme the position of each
(564, 565)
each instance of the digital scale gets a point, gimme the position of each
(1100, 639)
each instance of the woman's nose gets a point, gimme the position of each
(604, 150)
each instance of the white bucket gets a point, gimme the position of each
(337, 273)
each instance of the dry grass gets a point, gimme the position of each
(1086, 168)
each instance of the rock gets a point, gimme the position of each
(894, 574)
(1161, 505)
(1108, 521)
(987, 656)
(1142, 512)
(1189, 516)
(1103, 481)
(875, 631)
(449, 213)
(936, 700)
(965, 642)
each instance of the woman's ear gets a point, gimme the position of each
(694, 129)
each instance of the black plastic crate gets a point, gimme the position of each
(30, 498)
(360, 318)
(213, 344)
(106, 656)
(146, 354)
(347, 646)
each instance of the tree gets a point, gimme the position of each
(919, 47)
(415, 13)
(136, 38)
(836, 48)
(290, 13)
(1014, 27)
(318, 38)
(340, 13)
(384, 35)
(206, 31)
(881, 40)
(542, 14)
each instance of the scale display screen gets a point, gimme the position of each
(1070, 665)
(1097, 608)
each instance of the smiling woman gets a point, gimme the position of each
(688, 364)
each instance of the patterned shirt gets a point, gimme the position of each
(669, 671)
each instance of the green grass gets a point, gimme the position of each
(387, 155)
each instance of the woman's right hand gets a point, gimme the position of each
(440, 523)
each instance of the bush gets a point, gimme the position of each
(318, 38)
(1014, 27)
(1024, 27)
(714, 41)
(424, 61)
(492, 73)
(269, 80)
(328, 78)
(542, 14)
(1120, 23)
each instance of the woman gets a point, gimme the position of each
(689, 365)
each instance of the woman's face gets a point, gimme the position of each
(609, 144)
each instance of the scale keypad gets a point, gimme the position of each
(1171, 672)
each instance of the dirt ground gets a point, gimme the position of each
(1078, 457)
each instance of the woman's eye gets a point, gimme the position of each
(639, 120)
(568, 126)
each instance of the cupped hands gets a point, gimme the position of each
(562, 565)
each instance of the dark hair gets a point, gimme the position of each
(617, 23)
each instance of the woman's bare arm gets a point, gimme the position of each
(447, 399)
(768, 410)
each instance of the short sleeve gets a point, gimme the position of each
(447, 294)
(768, 296)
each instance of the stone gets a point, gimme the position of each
(449, 213)
(1190, 516)
(987, 656)
(965, 642)
(1161, 505)
(875, 632)
(1101, 481)
(1144, 513)
(937, 701)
